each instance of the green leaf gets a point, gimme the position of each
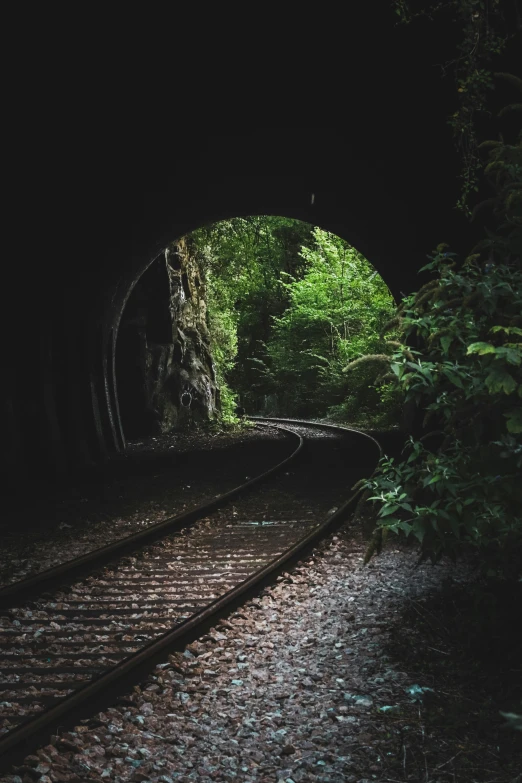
(455, 379)
(511, 355)
(446, 342)
(419, 531)
(506, 329)
(480, 348)
(514, 420)
(500, 380)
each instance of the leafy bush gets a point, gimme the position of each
(468, 380)
(460, 483)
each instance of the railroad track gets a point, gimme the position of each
(67, 644)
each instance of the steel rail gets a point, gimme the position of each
(19, 740)
(51, 576)
(319, 424)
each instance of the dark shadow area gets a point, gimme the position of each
(155, 472)
(465, 642)
(146, 321)
(391, 440)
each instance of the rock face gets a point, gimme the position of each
(164, 367)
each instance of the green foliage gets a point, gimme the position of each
(335, 312)
(484, 34)
(243, 260)
(288, 308)
(468, 380)
(460, 484)
(222, 323)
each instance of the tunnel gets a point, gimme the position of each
(62, 408)
(92, 216)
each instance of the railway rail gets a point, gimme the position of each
(75, 635)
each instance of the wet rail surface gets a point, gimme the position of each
(65, 644)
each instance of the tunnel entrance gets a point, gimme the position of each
(260, 315)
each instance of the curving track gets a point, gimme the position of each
(68, 645)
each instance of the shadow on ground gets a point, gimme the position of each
(465, 643)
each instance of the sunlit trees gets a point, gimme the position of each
(335, 312)
(289, 305)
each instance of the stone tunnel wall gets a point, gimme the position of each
(164, 368)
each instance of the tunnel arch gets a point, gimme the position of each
(92, 209)
(123, 368)
(393, 233)
(372, 220)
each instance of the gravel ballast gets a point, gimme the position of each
(337, 673)
(301, 684)
(157, 479)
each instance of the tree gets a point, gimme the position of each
(242, 260)
(335, 312)
(484, 30)
(288, 306)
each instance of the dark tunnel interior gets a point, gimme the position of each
(387, 646)
(386, 180)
